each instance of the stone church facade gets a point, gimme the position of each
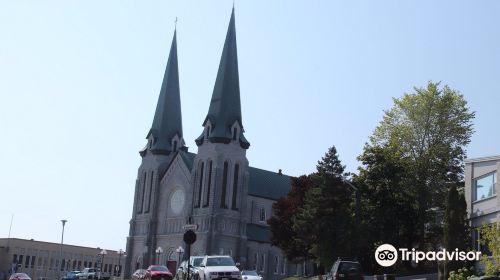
(215, 188)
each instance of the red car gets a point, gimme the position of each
(158, 272)
(19, 276)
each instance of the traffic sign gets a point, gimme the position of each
(189, 237)
(190, 227)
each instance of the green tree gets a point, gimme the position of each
(281, 223)
(414, 154)
(490, 237)
(456, 230)
(325, 218)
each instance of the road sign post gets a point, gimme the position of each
(190, 238)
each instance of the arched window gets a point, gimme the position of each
(276, 264)
(235, 132)
(235, 187)
(209, 183)
(200, 186)
(262, 215)
(262, 262)
(175, 146)
(208, 131)
(224, 185)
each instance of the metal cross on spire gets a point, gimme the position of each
(175, 23)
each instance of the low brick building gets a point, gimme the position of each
(46, 260)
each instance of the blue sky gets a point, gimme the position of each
(79, 81)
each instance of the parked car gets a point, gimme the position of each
(139, 274)
(219, 267)
(72, 275)
(250, 275)
(19, 276)
(158, 272)
(87, 273)
(345, 270)
(195, 262)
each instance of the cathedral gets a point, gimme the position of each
(215, 188)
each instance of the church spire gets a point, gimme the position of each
(224, 114)
(165, 135)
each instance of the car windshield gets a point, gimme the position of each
(249, 272)
(159, 268)
(349, 267)
(220, 261)
(23, 275)
(197, 262)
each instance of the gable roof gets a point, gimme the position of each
(262, 183)
(268, 184)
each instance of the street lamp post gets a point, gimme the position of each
(120, 254)
(102, 254)
(179, 251)
(159, 250)
(61, 248)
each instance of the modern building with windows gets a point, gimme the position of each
(47, 260)
(215, 188)
(481, 193)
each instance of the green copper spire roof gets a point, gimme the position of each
(225, 106)
(168, 121)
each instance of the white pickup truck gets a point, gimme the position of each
(219, 268)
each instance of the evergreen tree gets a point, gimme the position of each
(325, 218)
(456, 229)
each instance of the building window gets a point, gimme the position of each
(209, 183)
(26, 263)
(32, 261)
(200, 185)
(283, 267)
(150, 192)
(483, 248)
(235, 132)
(485, 186)
(235, 186)
(276, 264)
(142, 193)
(255, 261)
(175, 146)
(262, 262)
(224, 186)
(14, 258)
(262, 215)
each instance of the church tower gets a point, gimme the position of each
(220, 176)
(164, 140)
